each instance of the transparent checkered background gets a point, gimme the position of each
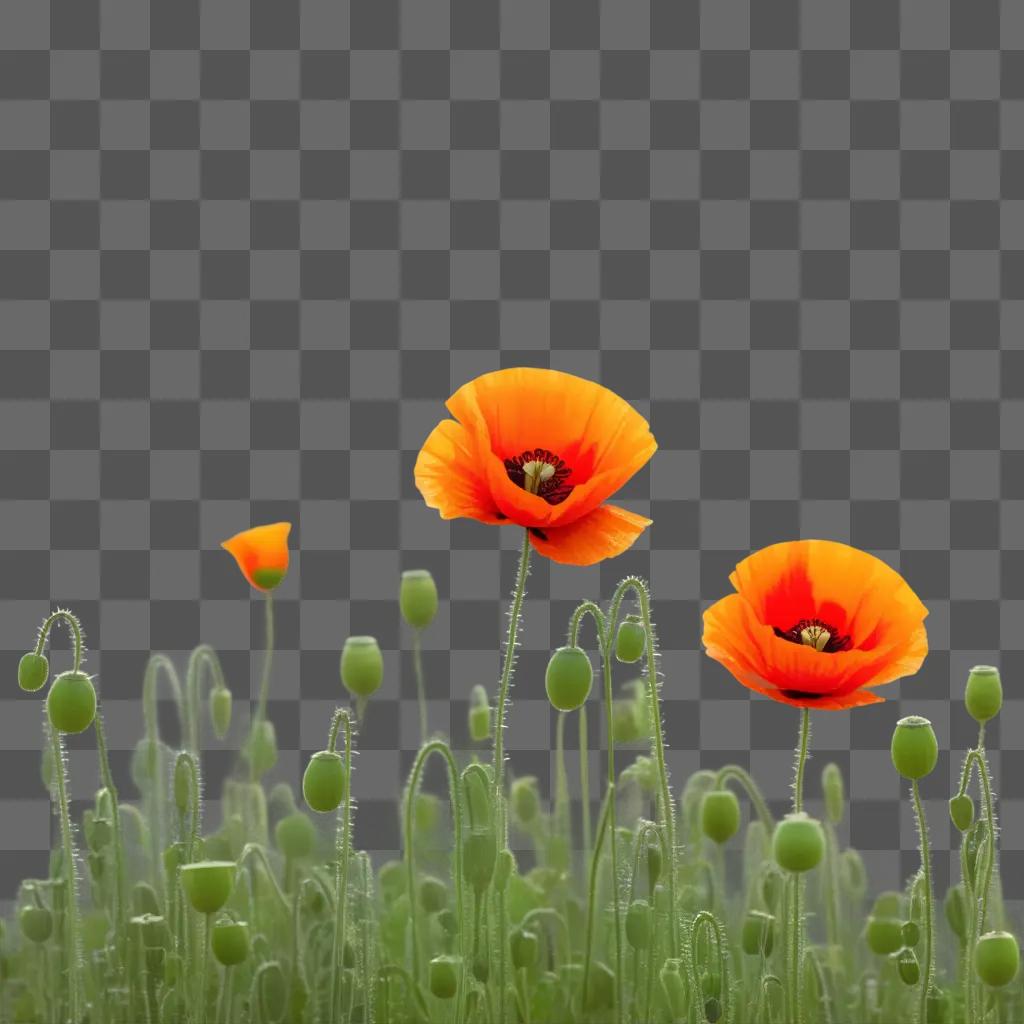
(248, 248)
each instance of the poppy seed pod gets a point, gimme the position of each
(772, 884)
(908, 967)
(229, 941)
(220, 711)
(961, 811)
(479, 715)
(955, 907)
(884, 935)
(997, 958)
(832, 787)
(208, 884)
(798, 843)
(720, 815)
(433, 895)
(524, 948)
(36, 923)
(295, 836)
(638, 924)
(262, 746)
(673, 984)
(984, 693)
(525, 799)
(323, 783)
(568, 678)
(443, 976)
(630, 640)
(33, 671)
(915, 750)
(362, 666)
(71, 702)
(479, 853)
(417, 598)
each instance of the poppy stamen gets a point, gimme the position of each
(822, 636)
(540, 472)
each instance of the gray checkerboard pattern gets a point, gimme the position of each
(248, 247)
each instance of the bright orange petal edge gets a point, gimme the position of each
(261, 553)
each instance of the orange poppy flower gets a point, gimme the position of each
(540, 449)
(817, 624)
(261, 554)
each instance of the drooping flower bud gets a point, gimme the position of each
(220, 711)
(33, 671)
(833, 788)
(630, 640)
(720, 815)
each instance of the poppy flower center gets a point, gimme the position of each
(822, 636)
(542, 473)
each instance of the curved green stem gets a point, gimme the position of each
(583, 609)
(750, 787)
(667, 808)
(929, 924)
(256, 851)
(204, 657)
(74, 626)
(704, 919)
(441, 748)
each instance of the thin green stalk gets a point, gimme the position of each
(268, 656)
(929, 924)
(606, 662)
(584, 759)
(120, 913)
(561, 784)
(801, 760)
(421, 693)
(71, 940)
(499, 743)
(595, 864)
(794, 946)
(343, 839)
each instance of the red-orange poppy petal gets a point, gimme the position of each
(261, 554)
(603, 533)
(852, 590)
(599, 435)
(448, 475)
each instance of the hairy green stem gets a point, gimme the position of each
(71, 939)
(343, 839)
(421, 692)
(120, 914)
(794, 945)
(268, 655)
(595, 864)
(929, 912)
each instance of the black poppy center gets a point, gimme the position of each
(542, 473)
(822, 636)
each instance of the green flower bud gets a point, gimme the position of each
(443, 976)
(997, 958)
(884, 935)
(229, 941)
(220, 711)
(758, 935)
(625, 722)
(173, 857)
(638, 924)
(711, 983)
(182, 783)
(911, 934)
(654, 863)
(33, 671)
(71, 702)
(36, 923)
(915, 749)
(433, 895)
(449, 922)
(262, 746)
(417, 598)
(851, 867)
(504, 869)
(273, 992)
(937, 1006)
(720, 815)
(772, 884)
(208, 884)
(479, 852)
(712, 1010)
(888, 904)
(144, 900)
(313, 900)
(908, 967)
(984, 694)
(524, 947)
(295, 836)
(323, 783)
(630, 640)
(568, 678)
(955, 907)
(525, 799)
(391, 879)
(833, 788)
(798, 843)
(974, 842)
(362, 666)
(479, 715)
(961, 811)
(673, 984)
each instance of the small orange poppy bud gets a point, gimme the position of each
(261, 554)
